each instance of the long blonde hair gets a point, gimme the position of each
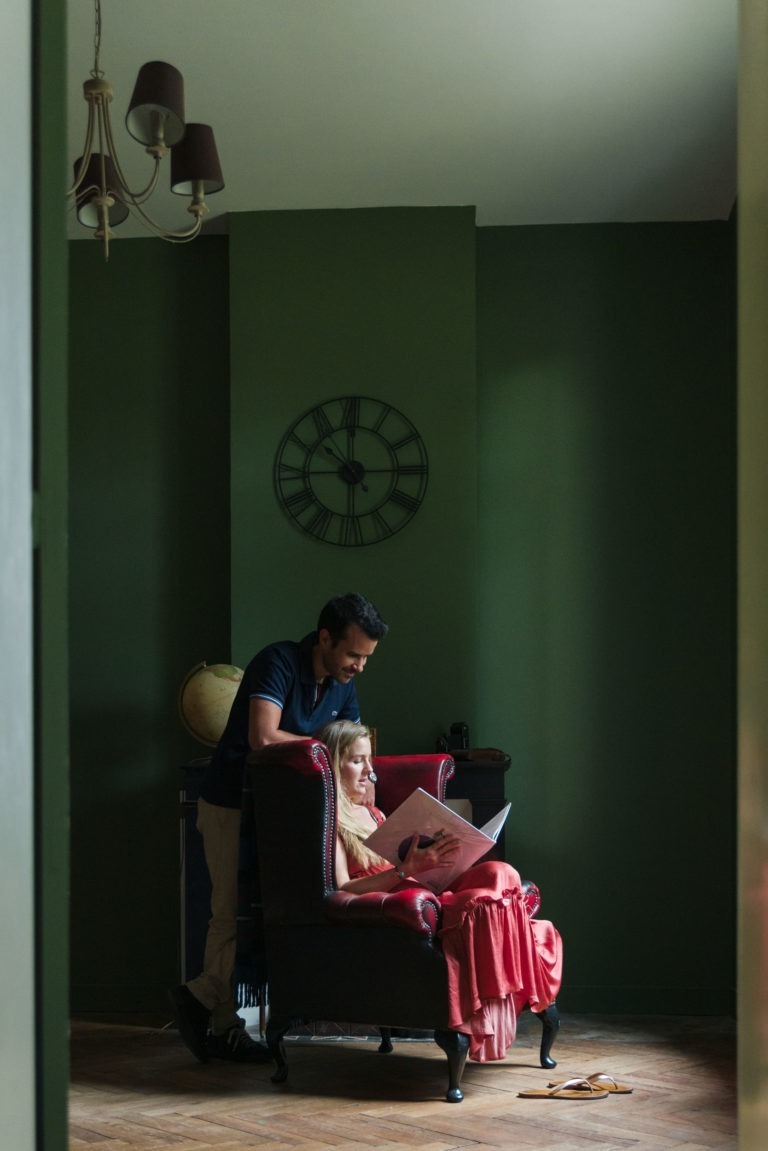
(338, 737)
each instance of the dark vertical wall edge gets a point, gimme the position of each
(51, 629)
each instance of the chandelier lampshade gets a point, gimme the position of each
(195, 163)
(155, 115)
(90, 191)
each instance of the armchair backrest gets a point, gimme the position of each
(294, 807)
(399, 775)
(294, 811)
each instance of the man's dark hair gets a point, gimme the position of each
(343, 610)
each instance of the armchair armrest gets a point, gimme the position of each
(414, 908)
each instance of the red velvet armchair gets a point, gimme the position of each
(318, 938)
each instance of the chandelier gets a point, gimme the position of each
(101, 194)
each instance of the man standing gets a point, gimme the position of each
(289, 691)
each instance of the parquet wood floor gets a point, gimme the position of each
(136, 1088)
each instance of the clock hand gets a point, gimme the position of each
(351, 470)
(331, 450)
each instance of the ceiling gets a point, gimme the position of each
(533, 111)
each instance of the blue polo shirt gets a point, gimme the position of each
(282, 673)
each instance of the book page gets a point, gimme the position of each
(421, 814)
(494, 826)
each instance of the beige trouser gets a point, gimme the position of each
(220, 829)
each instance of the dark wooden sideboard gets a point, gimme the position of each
(479, 778)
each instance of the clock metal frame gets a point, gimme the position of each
(351, 471)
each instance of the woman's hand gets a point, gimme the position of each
(441, 852)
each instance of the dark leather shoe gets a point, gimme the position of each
(192, 1020)
(237, 1046)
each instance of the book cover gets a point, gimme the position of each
(423, 815)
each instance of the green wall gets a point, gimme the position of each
(567, 587)
(607, 568)
(149, 531)
(379, 304)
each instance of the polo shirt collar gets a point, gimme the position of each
(307, 662)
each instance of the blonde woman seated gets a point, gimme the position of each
(499, 960)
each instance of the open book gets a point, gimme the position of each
(423, 815)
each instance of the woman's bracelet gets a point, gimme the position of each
(399, 873)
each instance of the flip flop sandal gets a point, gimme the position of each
(604, 1082)
(569, 1089)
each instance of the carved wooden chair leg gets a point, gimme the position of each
(276, 1030)
(455, 1044)
(550, 1024)
(385, 1047)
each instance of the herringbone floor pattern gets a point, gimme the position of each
(138, 1089)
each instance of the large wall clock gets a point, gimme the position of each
(351, 471)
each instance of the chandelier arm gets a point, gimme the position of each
(131, 196)
(86, 156)
(180, 236)
(83, 190)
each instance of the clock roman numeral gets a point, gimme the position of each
(398, 444)
(350, 416)
(382, 528)
(410, 503)
(294, 438)
(351, 532)
(291, 472)
(320, 522)
(385, 410)
(322, 423)
(298, 501)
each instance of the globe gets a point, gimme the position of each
(205, 699)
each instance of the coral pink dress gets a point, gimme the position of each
(499, 960)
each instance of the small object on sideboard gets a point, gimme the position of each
(459, 737)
